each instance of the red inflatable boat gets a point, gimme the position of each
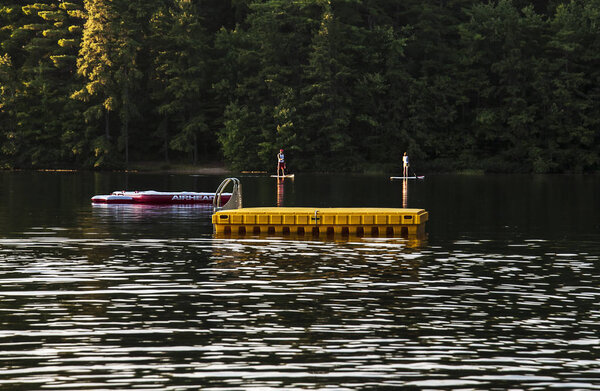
(158, 197)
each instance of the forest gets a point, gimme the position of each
(341, 85)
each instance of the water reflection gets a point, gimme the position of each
(168, 210)
(379, 255)
(405, 193)
(366, 313)
(503, 295)
(412, 241)
(211, 313)
(167, 213)
(280, 191)
(138, 220)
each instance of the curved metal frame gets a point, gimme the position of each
(235, 201)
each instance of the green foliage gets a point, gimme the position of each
(182, 79)
(69, 6)
(68, 43)
(36, 107)
(508, 85)
(64, 61)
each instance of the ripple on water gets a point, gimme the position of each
(264, 313)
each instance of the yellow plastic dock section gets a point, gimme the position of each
(317, 221)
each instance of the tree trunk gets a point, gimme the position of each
(106, 125)
(126, 134)
(195, 149)
(125, 108)
(166, 139)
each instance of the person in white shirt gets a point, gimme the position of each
(281, 163)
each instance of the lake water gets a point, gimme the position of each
(503, 294)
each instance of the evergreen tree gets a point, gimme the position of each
(110, 59)
(327, 96)
(183, 83)
(96, 64)
(571, 137)
(433, 91)
(507, 47)
(42, 49)
(241, 91)
(387, 134)
(8, 87)
(509, 85)
(265, 67)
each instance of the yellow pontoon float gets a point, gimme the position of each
(233, 219)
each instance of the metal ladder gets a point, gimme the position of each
(235, 201)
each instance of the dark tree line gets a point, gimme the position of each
(341, 85)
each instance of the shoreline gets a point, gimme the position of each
(219, 168)
(146, 167)
(212, 168)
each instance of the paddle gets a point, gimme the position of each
(415, 174)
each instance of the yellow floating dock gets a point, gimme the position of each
(317, 221)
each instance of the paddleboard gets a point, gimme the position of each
(283, 176)
(407, 177)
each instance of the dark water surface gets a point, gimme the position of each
(504, 293)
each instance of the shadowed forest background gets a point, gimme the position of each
(341, 85)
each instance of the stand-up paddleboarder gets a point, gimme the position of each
(405, 165)
(281, 163)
